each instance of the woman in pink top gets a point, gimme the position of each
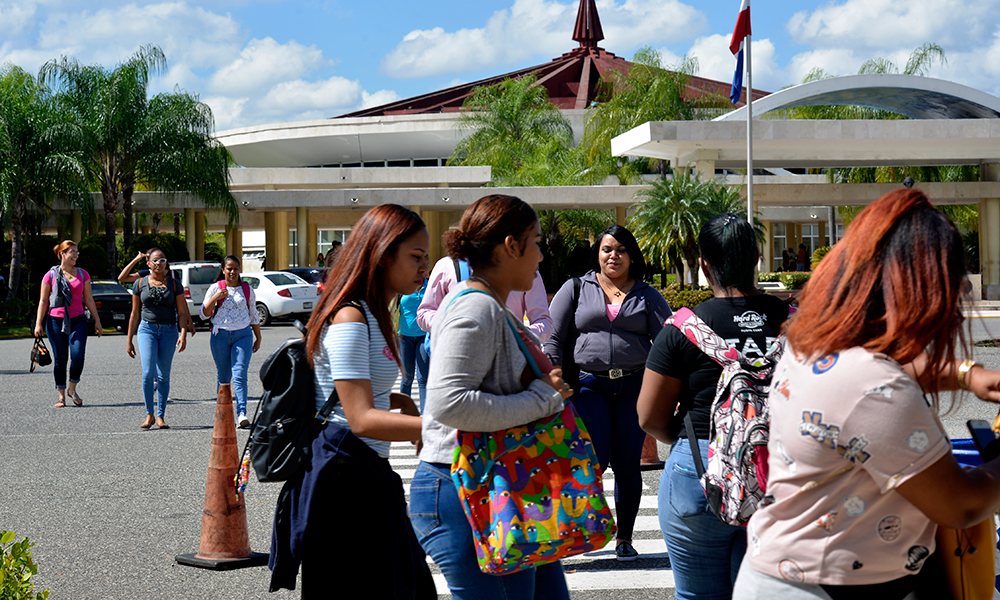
(66, 288)
(861, 471)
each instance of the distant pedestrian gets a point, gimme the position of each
(411, 345)
(785, 260)
(65, 291)
(158, 305)
(320, 260)
(479, 381)
(231, 305)
(606, 331)
(802, 262)
(344, 517)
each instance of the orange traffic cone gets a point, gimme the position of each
(650, 455)
(225, 543)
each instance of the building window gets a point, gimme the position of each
(779, 245)
(810, 237)
(326, 237)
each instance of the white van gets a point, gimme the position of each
(196, 276)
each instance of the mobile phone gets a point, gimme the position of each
(984, 438)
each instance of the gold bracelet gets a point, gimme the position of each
(963, 370)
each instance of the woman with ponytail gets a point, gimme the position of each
(861, 468)
(680, 380)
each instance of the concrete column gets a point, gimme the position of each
(189, 231)
(766, 263)
(276, 240)
(312, 243)
(302, 237)
(621, 215)
(437, 223)
(822, 233)
(199, 235)
(704, 164)
(234, 241)
(76, 226)
(146, 230)
(989, 235)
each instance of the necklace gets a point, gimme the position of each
(618, 292)
(487, 284)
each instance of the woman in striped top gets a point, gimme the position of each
(354, 349)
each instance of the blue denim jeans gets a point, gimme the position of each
(231, 351)
(411, 350)
(608, 408)
(444, 533)
(705, 553)
(156, 350)
(67, 347)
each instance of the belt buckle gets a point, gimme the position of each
(615, 374)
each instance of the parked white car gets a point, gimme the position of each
(196, 276)
(281, 294)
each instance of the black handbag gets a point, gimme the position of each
(39, 355)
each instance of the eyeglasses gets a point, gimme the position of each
(158, 261)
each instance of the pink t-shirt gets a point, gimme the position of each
(823, 523)
(613, 310)
(76, 285)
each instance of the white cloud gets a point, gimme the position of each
(834, 61)
(17, 17)
(715, 61)
(882, 24)
(532, 27)
(228, 112)
(303, 96)
(378, 98)
(265, 63)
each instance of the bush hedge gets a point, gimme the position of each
(818, 255)
(773, 277)
(678, 298)
(793, 280)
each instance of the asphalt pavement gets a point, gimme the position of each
(108, 505)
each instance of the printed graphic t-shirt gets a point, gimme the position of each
(856, 425)
(750, 324)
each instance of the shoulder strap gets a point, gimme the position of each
(461, 270)
(702, 336)
(458, 270)
(246, 292)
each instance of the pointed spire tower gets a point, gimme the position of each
(571, 80)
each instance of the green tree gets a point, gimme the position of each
(667, 219)
(647, 91)
(510, 124)
(37, 162)
(129, 139)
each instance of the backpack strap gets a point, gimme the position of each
(246, 293)
(704, 337)
(461, 270)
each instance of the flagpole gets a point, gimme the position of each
(746, 46)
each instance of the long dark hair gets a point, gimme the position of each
(729, 246)
(485, 225)
(637, 266)
(359, 276)
(891, 285)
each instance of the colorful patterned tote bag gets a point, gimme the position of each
(533, 494)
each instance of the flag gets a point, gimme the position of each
(740, 32)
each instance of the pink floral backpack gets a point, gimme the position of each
(735, 478)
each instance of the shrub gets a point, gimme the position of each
(818, 255)
(678, 298)
(17, 569)
(768, 277)
(15, 311)
(794, 280)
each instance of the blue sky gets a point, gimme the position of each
(267, 61)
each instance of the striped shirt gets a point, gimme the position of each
(345, 352)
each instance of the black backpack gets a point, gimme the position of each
(286, 420)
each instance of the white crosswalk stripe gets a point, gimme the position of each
(598, 571)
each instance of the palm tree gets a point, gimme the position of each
(646, 92)
(36, 163)
(164, 142)
(510, 123)
(667, 219)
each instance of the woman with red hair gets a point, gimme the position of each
(861, 469)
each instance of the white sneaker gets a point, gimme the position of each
(242, 421)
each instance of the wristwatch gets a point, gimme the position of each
(964, 369)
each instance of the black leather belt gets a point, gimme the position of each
(612, 373)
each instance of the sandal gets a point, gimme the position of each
(161, 424)
(148, 422)
(77, 400)
(61, 404)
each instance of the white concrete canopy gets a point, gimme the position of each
(909, 95)
(821, 143)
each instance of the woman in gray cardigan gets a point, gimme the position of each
(606, 325)
(480, 381)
